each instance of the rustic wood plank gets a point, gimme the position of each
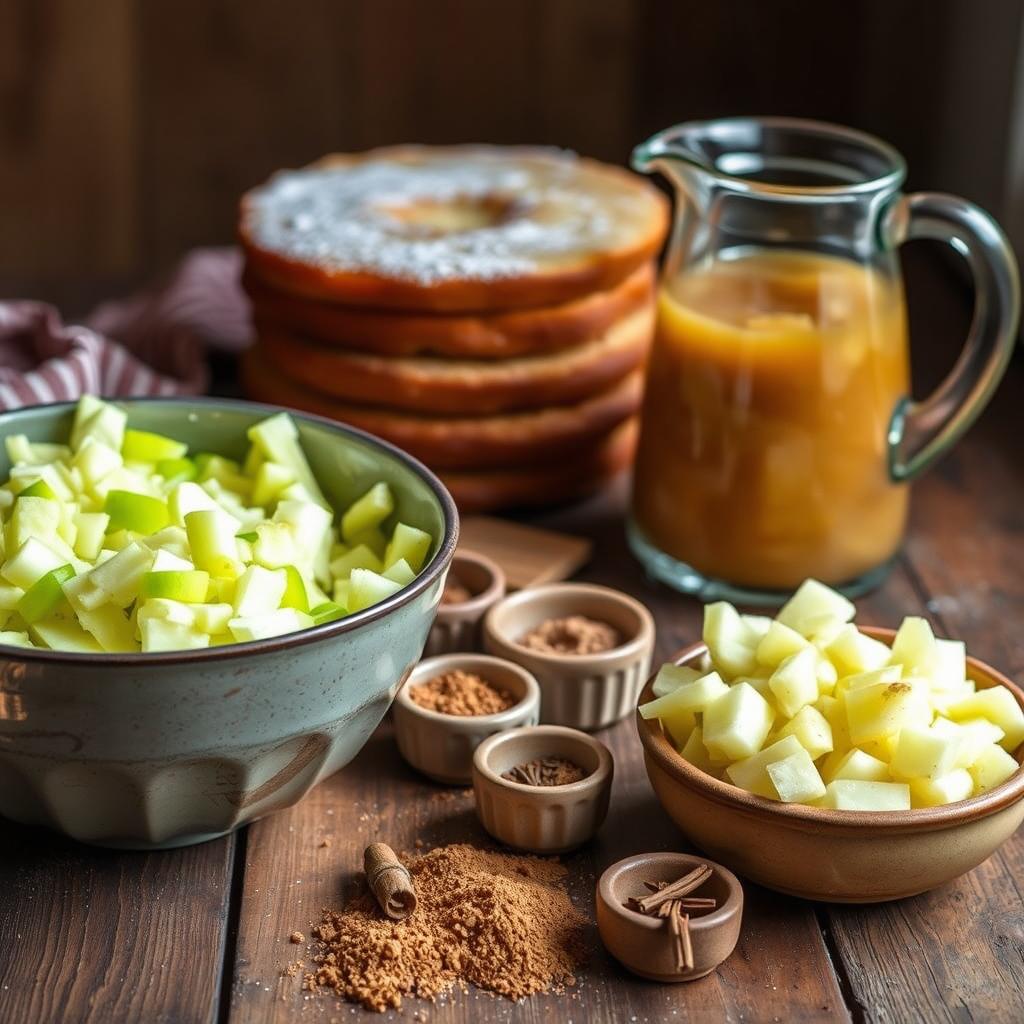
(92, 936)
(68, 139)
(781, 968)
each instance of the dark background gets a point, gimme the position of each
(128, 128)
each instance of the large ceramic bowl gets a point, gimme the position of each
(821, 854)
(159, 750)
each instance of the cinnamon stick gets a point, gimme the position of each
(390, 881)
(690, 881)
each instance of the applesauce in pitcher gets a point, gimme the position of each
(770, 390)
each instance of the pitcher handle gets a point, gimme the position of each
(920, 432)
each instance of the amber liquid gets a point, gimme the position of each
(770, 388)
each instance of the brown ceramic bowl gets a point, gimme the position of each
(823, 854)
(441, 746)
(641, 942)
(541, 819)
(582, 691)
(457, 626)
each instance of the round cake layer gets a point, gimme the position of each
(466, 336)
(592, 467)
(459, 442)
(462, 228)
(463, 387)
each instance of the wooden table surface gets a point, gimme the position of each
(201, 934)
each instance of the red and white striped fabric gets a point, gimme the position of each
(151, 344)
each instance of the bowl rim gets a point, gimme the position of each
(440, 663)
(720, 916)
(658, 749)
(635, 645)
(426, 578)
(594, 782)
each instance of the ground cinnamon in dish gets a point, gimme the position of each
(455, 592)
(498, 921)
(546, 771)
(574, 634)
(461, 693)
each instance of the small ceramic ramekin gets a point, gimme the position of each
(582, 691)
(442, 746)
(541, 819)
(457, 626)
(641, 942)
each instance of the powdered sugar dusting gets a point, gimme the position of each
(350, 218)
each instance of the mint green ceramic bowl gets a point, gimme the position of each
(161, 750)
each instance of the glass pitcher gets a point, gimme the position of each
(778, 437)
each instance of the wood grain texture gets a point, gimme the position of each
(780, 969)
(91, 936)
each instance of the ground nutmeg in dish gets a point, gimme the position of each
(461, 693)
(573, 634)
(455, 592)
(546, 771)
(499, 921)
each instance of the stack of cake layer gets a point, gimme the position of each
(488, 310)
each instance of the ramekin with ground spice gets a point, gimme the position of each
(451, 703)
(475, 584)
(589, 647)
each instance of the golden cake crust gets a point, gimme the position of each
(458, 386)
(450, 229)
(457, 442)
(496, 336)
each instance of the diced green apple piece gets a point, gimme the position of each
(374, 539)
(95, 461)
(10, 595)
(45, 594)
(29, 562)
(39, 489)
(359, 557)
(143, 446)
(259, 590)
(274, 545)
(167, 635)
(137, 512)
(15, 638)
(271, 480)
(294, 595)
(278, 440)
(212, 618)
(796, 779)
(187, 585)
(368, 588)
(368, 511)
(91, 529)
(269, 624)
(64, 635)
(211, 537)
(401, 572)
(176, 471)
(98, 420)
(327, 612)
(118, 580)
(111, 627)
(408, 543)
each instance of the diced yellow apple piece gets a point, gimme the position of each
(91, 528)
(813, 607)
(29, 562)
(259, 590)
(924, 753)
(888, 674)
(950, 670)
(883, 709)
(401, 572)
(795, 778)
(914, 647)
(368, 588)
(211, 537)
(671, 677)
(408, 542)
(369, 510)
(946, 789)
(269, 624)
(360, 557)
(992, 768)
(167, 635)
(795, 681)
(975, 735)
(852, 652)
(812, 729)
(111, 628)
(729, 641)
(751, 773)
(856, 764)
(995, 703)
(779, 643)
(736, 724)
(693, 696)
(64, 635)
(696, 753)
(679, 725)
(857, 795)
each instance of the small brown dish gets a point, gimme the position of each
(441, 746)
(822, 854)
(641, 942)
(457, 625)
(582, 691)
(541, 819)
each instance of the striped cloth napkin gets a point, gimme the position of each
(153, 343)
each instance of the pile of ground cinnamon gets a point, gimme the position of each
(546, 771)
(455, 592)
(498, 921)
(574, 634)
(461, 693)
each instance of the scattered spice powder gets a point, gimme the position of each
(461, 693)
(455, 591)
(502, 922)
(297, 938)
(546, 771)
(574, 634)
